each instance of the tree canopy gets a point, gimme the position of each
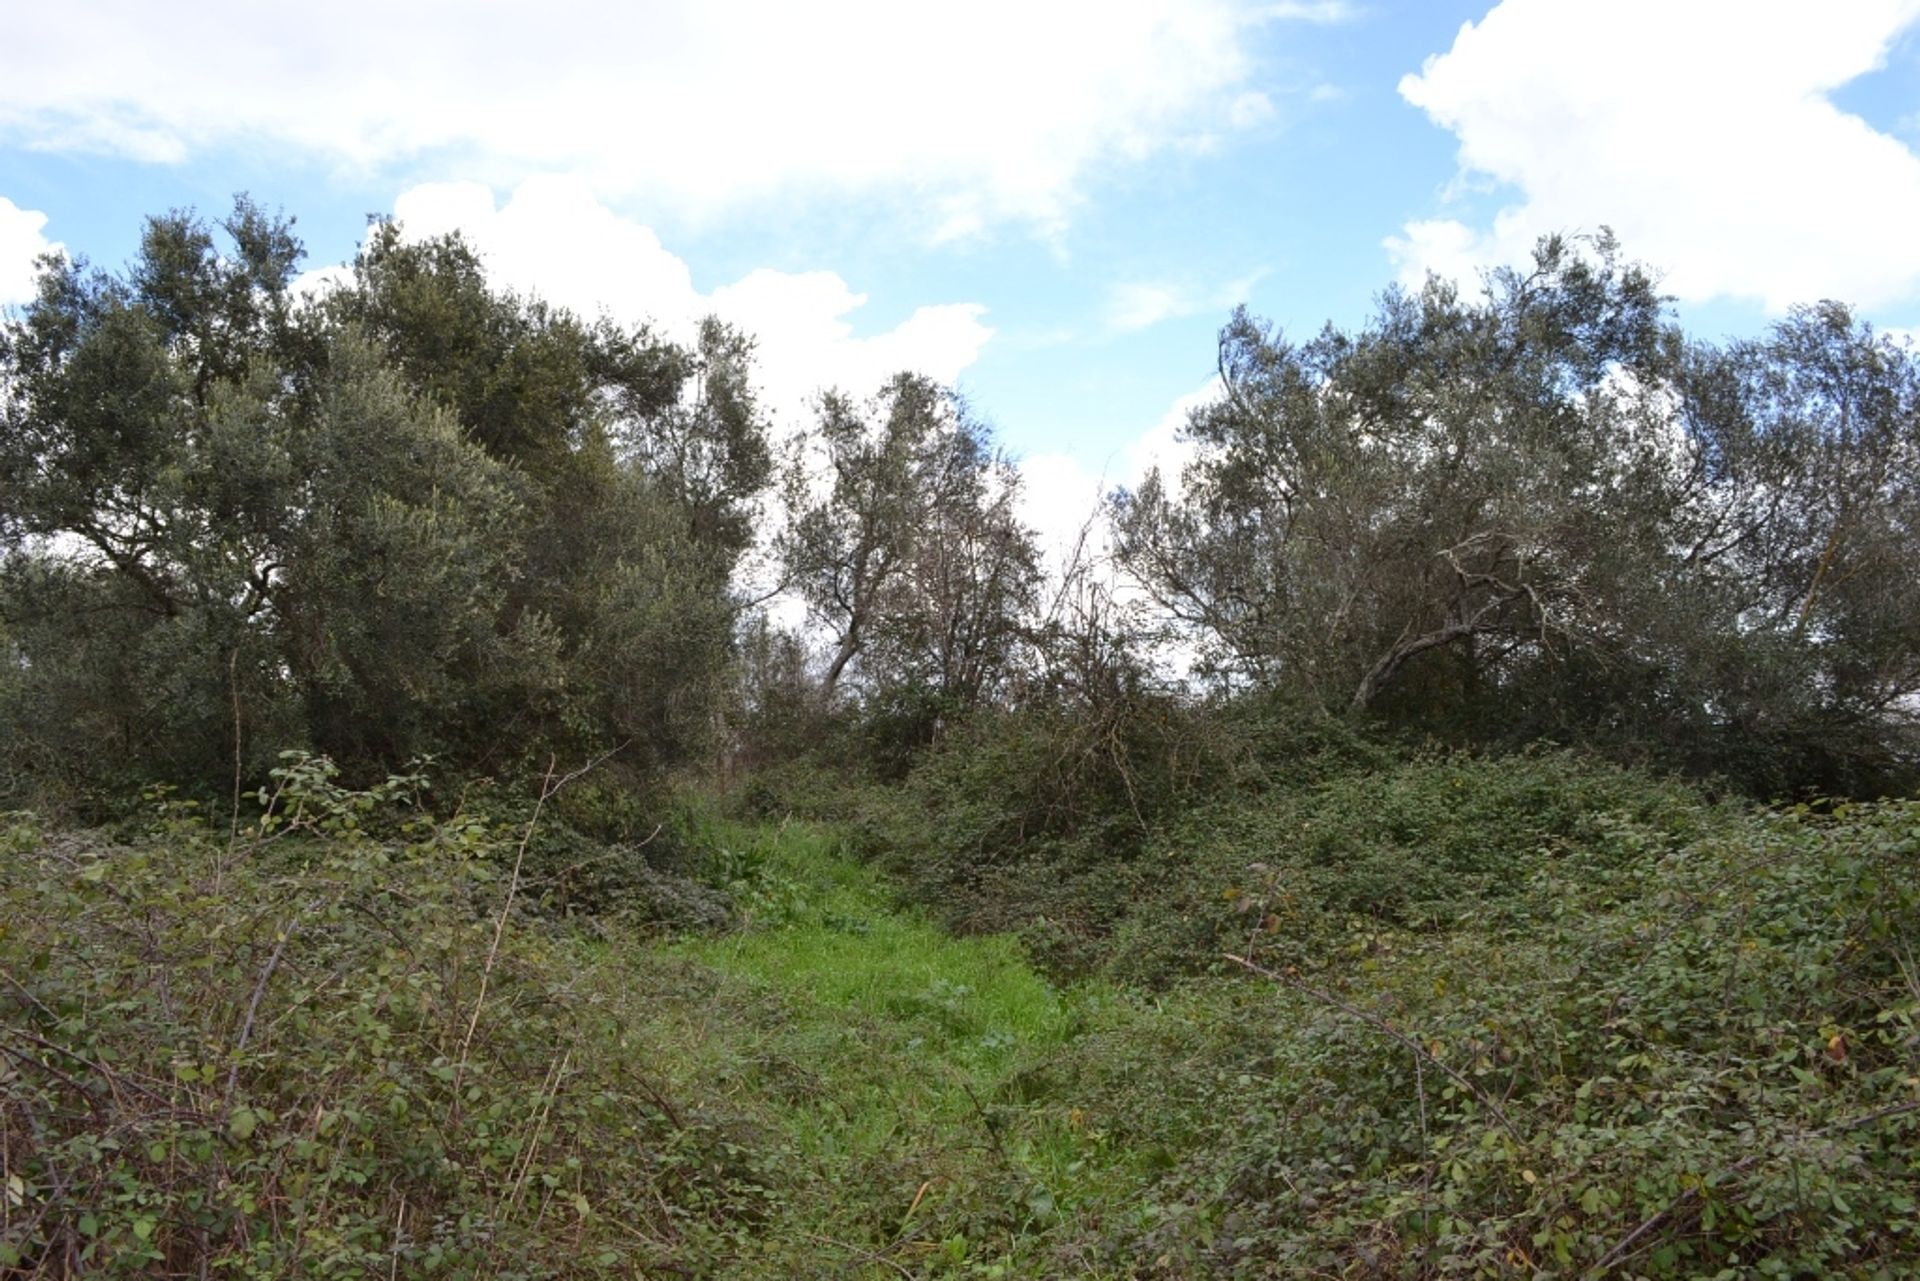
(412, 515)
(1543, 510)
(911, 552)
(416, 514)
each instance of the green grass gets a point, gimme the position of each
(823, 925)
(1588, 1037)
(890, 1057)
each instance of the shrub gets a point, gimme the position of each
(310, 1051)
(1656, 1057)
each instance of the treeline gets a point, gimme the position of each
(1538, 513)
(415, 515)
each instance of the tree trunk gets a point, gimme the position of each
(1382, 673)
(849, 646)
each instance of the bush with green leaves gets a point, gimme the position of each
(1127, 844)
(1041, 810)
(1429, 844)
(1537, 509)
(1654, 1055)
(328, 1044)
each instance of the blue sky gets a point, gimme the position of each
(1054, 205)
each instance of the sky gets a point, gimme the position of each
(1052, 204)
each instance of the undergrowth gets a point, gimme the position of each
(1439, 1017)
(1443, 1014)
(324, 1046)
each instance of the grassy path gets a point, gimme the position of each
(891, 1063)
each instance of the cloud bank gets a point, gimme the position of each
(971, 114)
(1703, 133)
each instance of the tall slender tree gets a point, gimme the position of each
(906, 544)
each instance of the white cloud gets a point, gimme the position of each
(21, 243)
(1325, 12)
(1137, 305)
(1250, 109)
(1702, 133)
(972, 114)
(1162, 445)
(1059, 496)
(1448, 247)
(553, 237)
(1060, 492)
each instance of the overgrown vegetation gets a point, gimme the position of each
(425, 859)
(329, 1045)
(1545, 513)
(416, 516)
(1681, 1038)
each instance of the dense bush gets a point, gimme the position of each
(1656, 1057)
(1537, 510)
(310, 1051)
(1595, 1023)
(1143, 844)
(1428, 844)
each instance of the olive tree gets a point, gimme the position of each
(1448, 482)
(906, 544)
(419, 515)
(1541, 510)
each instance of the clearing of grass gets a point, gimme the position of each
(888, 1054)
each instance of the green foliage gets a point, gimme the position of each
(1663, 1060)
(778, 716)
(1453, 474)
(295, 1053)
(1543, 513)
(1425, 845)
(912, 552)
(1645, 1035)
(416, 517)
(1053, 819)
(889, 1052)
